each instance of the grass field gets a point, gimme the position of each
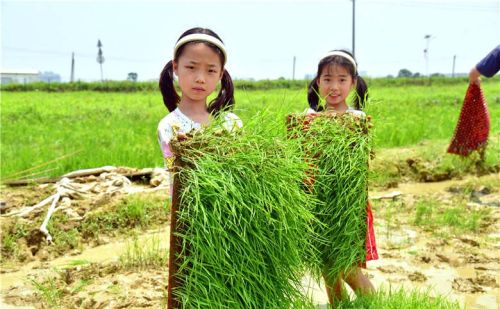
(51, 133)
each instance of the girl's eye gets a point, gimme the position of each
(189, 67)
(212, 71)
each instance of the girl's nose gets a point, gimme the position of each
(200, 78)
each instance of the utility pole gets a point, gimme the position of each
(100, 58)
(293, 71)
(72, 76)
(426, 53)
(453, 69)
(353, 27)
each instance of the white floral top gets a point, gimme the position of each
(176, 122)
(349, 110)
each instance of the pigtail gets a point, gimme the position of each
(225, 99)
(170, 96)
(361, 94)
(313, 96)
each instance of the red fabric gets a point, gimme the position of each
(473, 124)
(370, 244)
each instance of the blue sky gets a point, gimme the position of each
(262, 37)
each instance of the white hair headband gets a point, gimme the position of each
(342, 54)
(201, 37)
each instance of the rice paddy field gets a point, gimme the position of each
(89, 129)
(436, 214)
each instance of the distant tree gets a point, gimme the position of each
(389, 76)
(416, 74)
(132, 76)
(404, 73)
(437, 75)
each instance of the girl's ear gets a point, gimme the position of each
(316, 80)
(175, 67)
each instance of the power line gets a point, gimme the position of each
(60, 53)
(440, 5)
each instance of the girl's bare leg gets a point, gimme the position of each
(359, 282)
(335, 290)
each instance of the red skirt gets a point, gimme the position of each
(371, 245)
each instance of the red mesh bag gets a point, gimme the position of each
(473, 124)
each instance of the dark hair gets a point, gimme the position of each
(225, 98)
(361, 87)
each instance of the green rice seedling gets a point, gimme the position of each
(75, 263)
(400, 298)
(9, 236)
(338, 148)
(424, 212)
(79, 286)
(456, 219)
(103, 128)
(391, 221)
(144, 254)
(49, 292)
(459, 219)
(241, 221)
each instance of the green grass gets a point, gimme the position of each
(49, 293)
(125, 216)
(399, 299)
(54, 133)
(428, 161)
(457, 218)
(130, 213)
(144, 254)
(11, 233)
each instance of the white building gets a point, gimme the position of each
(19, 76)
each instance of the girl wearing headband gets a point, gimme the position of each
(198, 61)
(337, 76)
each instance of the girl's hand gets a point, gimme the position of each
(181, 137)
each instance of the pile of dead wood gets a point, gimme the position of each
(95, 183)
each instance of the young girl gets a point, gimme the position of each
(198, 62)
(337, 75)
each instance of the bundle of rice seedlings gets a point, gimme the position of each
(241, 222)
(337, 148)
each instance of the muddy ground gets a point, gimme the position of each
(441, 237)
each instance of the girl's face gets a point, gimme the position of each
(335, 84)
(199, 70)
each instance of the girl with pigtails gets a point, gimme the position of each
(336, 78)
(198, 62)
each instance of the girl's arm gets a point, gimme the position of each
(232, 122)
(165, 135)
